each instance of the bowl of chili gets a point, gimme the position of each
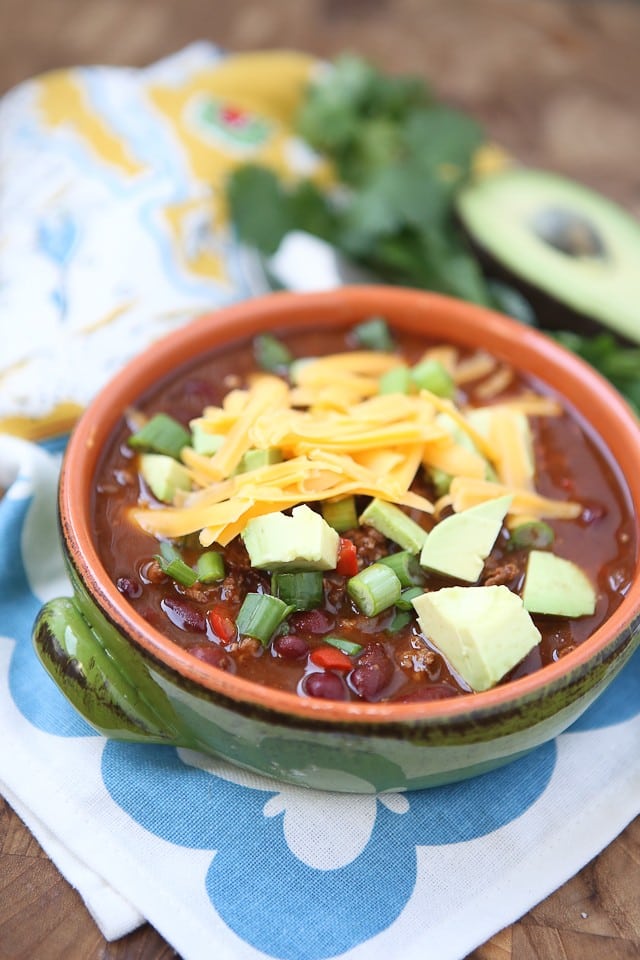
(362, 540)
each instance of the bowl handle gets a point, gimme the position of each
(111, 688)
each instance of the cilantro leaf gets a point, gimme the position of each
(259, 207)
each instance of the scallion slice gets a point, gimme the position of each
(404, 600)
(260, 616)
(340, 514)
(405, 566)
(271, 354)
(210, 567)
(391, 521)
(174, 566)
(432, 376)
(347, 646)
(374, 589)
(301, 589)
(374, 334)
(532, 534)
(161, 434)
(400, 619)
(396, 380)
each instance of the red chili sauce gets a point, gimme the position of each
(396, 662)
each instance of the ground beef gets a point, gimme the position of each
(370, 545)
(502, 573)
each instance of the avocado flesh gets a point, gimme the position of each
(574, 254)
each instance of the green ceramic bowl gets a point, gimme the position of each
(131, 683)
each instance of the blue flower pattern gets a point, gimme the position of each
(154, 785)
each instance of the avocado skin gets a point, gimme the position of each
(551, 313)
(512, 221)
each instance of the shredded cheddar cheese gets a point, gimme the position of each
(335, 435)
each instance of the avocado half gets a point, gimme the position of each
(572, 253)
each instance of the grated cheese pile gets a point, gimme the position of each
(337, 436)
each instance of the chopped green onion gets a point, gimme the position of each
(391, 521)
(431, 375)
(405, 566)
(173, 565)
(347, 646)
(301, 589)
(404, 600)
(400, 619)
(271, 354)
(441, 481)
(260, 616)
(533, 533)
(210, 567)
(396, 380)
(374, 589)
(161, 434)
(340, 514)
(374, 334)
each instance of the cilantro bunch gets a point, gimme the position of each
(399, 157)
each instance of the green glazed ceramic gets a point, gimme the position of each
(131, 683)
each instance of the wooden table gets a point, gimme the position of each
(557, 84)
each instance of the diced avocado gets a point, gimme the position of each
(483, 632)
(393, 523)
(204, 442)
(458, 545)
(253, 459)
(482, 420)
(164, 475)
(572, 252)
(303, 541)
(440, 479)
(556, 586)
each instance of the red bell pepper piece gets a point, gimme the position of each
(347, 564)
(330, 658)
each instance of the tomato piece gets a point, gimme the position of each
(222, 625)
(330, 658)
(347, 564)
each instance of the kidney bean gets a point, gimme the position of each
(184, 615)
(213, 654)
(311, 621)
(129, 588)
(290, 646)
(324, 685)
(372, 673)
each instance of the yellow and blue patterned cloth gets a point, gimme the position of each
(113, 225)
(113, 232)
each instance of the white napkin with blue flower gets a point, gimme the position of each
(205, 852)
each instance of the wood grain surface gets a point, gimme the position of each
(557, 82)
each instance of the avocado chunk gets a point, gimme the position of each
(204, 442)
(164, 475)
(458, 546)
(253, 459)
(570, 251)
(483, 632)
(303, 541)
(557, 587)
